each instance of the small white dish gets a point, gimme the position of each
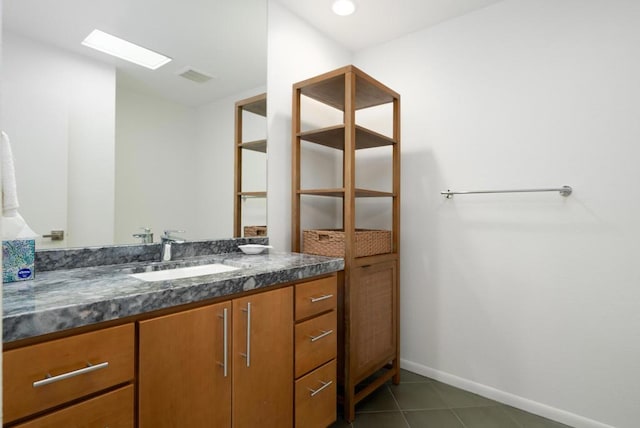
(253, 248)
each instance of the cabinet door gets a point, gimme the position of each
(373, 307)
(263, 360)
(182, 378)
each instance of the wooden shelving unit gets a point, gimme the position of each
(369, 289)
(256, 105)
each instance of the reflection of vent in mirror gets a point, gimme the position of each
(194, 75)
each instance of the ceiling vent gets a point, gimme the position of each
(194, 75)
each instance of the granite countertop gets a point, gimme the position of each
(63, 299)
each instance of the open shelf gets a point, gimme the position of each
(329, 89)
(256, 146)
(247, 164)
(333, 136)
(257, 105)
(253, 194)
(339, 192)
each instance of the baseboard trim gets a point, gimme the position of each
(522, 403)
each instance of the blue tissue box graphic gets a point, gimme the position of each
(18, 260)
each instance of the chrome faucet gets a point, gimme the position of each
(166, 240)
(146, 236)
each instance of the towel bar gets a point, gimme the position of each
(564, 191)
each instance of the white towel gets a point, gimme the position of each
(16, 228)
(9, 194)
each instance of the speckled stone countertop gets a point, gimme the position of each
(66, 298)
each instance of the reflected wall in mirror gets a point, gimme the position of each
(103, 147)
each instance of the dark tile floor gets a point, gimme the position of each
(420, 402)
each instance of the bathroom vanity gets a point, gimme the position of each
(255, 346)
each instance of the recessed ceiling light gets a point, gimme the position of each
(123, 49)
(343, 7)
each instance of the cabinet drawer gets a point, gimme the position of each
(73, 367)
(316, 398)
(315, 342)
(315, 297)
(113, 409)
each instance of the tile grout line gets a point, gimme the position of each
(404, 418)
(451, 409)
(498, 404)
(458, 418)
(447, 407)
(512, 417)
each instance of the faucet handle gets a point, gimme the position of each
(167, 233)
(146, 236)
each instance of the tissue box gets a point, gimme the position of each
(18, 260)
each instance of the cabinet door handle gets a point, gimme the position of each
(248, 354)
(225, 341)
(324, 386)
(321, 298)
(320, 336)
(51, 379)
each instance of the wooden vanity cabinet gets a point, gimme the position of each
(246, 362)
(193, 372)
(316, 335)
(52, 374)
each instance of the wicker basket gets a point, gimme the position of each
(255, 231)
(330, 242)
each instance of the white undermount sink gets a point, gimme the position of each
(185, 272)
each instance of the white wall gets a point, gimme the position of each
(532, 299)
(295, 52)
(92, 157)
(58, 109)
(155, 154)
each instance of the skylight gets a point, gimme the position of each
(123, 49)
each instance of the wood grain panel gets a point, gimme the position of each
(181, 379)
(373, 318)
(113, 410)
(312, 297)
(23, 366)
(263, 388)
(318, 410)
(309, 353)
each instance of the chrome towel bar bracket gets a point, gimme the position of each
(564, 191)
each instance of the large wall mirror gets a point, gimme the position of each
(103, 147)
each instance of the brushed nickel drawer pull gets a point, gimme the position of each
(225, 341)
(320, 336)
(321, 298)
(51, 379)
(324, 386)
(248, 354)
